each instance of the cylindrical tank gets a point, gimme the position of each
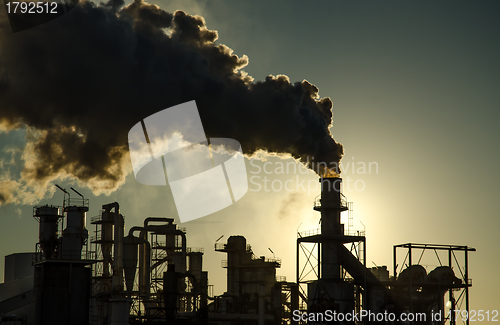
(170, 291)
(179, 260)
(331, 205)
(130, 249)
(170, 242)
(75, 234)
(144, 266)
(49, 218)
(196, 265)
(119, 310)
(107, 241)
(414, 273)
(443, 274)
(204, 289)
(236, 248)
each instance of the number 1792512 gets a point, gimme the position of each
(14, 7)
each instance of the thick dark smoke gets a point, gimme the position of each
(80, 82)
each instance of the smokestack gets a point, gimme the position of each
(331, 206)
(119, 65)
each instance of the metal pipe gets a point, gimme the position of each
(119, 229)
(144, 264)
(109, 206)
(134, 229)
(145, 250)
(262, 304)
(118, 253)
(157, 219)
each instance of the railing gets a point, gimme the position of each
(280, 278)
(273, 260)
(317, 231)
(195, 250)
(220, 246)
(89, 255)
(163, 245)
(61, 254)
(308, 233)
(59, 210)
(354, 233)
(224, 263)
(317, 201)
(210, 290)
(99, 218)
(343, 201)
(303, 306)
(76, 201)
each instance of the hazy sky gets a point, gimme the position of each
(416, 91)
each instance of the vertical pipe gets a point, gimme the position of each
(106, 242)
(297, 269)
(294, 292)
(365, 287)
(319, 260)
(144, 264)
(409, 255)
(411, 277)
(452, 314)
(277, 289)
(119, 228)
(170, 291)
(467, 282)
(394, 261)
(261, 305)
(118, 252)
(204, 297)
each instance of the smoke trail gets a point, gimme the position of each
(84, 79)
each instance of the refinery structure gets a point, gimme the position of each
(102, 276)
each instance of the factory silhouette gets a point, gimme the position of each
(151, 275)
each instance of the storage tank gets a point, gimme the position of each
(75, 235)
(196, 265)
(48, 217)
(130, 250)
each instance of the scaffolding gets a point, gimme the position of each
(451, 261)
(101, 244)
(308, 262)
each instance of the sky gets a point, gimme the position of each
(414, 87)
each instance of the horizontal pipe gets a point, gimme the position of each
(157, 219)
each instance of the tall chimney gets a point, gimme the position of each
(330, 208)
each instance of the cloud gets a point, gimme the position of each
(81, 81)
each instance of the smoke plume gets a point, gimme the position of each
(84, 79)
